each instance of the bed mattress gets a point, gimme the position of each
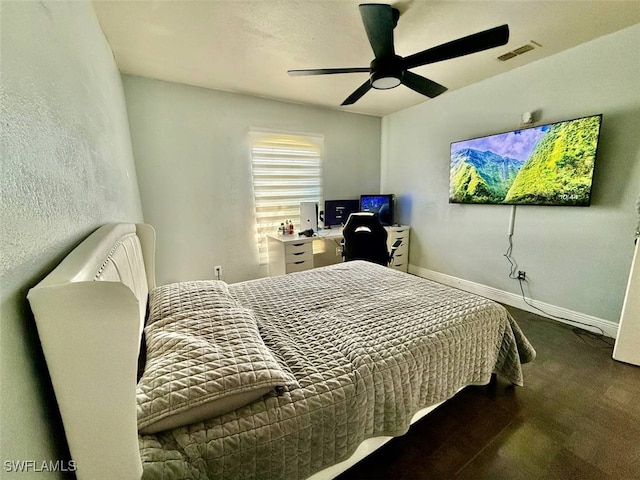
(368, 346)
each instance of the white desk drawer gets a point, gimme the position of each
(402, 249)
(400, 258)
(393, 236)
(297, 247)
(299, 255)
(299, 266)
(402, 267)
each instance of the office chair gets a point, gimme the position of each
(364, 238)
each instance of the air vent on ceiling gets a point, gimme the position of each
(518, 51)
(506, 56)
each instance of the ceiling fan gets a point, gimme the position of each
(388, 70)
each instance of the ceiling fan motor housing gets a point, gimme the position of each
(386, 73)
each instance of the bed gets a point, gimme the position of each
(289, 377)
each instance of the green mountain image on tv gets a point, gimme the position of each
(545, 165)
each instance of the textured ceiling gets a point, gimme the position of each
(248, 46)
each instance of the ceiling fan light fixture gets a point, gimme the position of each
(385, 81)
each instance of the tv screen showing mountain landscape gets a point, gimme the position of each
(545, 165)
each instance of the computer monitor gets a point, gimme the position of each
(336, 212)
(380, 204)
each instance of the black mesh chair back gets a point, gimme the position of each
(365, 239)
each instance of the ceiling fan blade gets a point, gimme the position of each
(357, 95)
(422, 85)
(378, 22)
(327, 71)
(494, 37)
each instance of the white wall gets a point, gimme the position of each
(575, 258)
(192, 156)
(67, 167)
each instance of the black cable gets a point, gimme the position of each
(578, 332)
(513, 274)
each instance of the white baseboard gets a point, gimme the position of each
(553, 312)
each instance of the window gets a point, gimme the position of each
(287, 170)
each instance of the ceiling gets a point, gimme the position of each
(248, 46)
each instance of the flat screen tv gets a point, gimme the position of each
(545, 165)
(382, 205)
(336, 212)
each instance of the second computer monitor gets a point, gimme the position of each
(336, 212)
(382, 205)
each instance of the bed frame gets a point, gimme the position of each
(90, 312)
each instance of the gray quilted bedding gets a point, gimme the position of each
(368, 347)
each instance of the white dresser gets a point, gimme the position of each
(401, 257)
(292, 253)
(289, 253)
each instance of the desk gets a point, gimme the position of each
(294, 253)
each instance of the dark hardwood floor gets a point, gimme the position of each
(577, 417)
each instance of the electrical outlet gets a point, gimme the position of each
(338, 251)
(522, 275)
(217, 270)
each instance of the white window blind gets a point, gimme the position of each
(287, 170)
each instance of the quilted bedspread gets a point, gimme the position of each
(368, 346)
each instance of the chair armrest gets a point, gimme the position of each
(394, 247)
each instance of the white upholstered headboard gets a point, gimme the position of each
(90, 313)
